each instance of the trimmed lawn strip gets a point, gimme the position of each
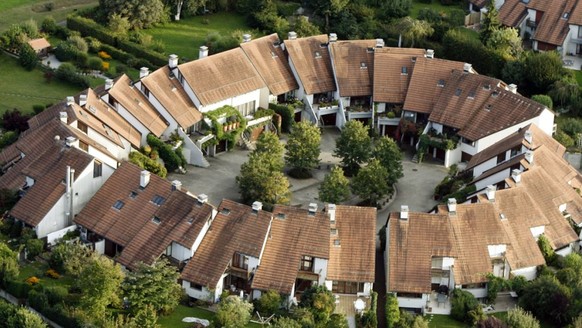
(174, 320)
(443, 321)
(38, 270)
(578, 76)
(435, 4)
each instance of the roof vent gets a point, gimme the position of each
(331, 212)
(332, 37)
(404, 212)
(467, 67)
(528, 136)
(203, 52)
(429, 53)
(71, 141)
(202, 199)
(379, 43)
(246, 38)
(516, 175)
(529, 157)
(490, 192)
(173, 61)
(82, 100)
(70, 101)
(512, 88)
(143, 72)
(176, 185)
(452, 206)
(144, 179)
(257, 206)
(108, 84)
(312, 208)
(292, 35)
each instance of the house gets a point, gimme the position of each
(137, 217)
(53, 176)
(310, 63)
(229, 254)
(41, 46)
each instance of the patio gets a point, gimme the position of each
(572, 62)
(346, 305)
(438, 304)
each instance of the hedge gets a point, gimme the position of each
(171, 159)
(88, 27)
(147, 163)
(142, 52)
(287, 116)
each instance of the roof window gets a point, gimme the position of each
(133, 195)
(281, 216)
(225, 211)
(566, 15)
(156, 220)
(363, 65)
(118, 205)
(404, 70)
(441, 83)
(158, 200)
(336, 243)
(458, 92)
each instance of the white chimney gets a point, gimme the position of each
(70, 101)
(257, 206)
(202, 198)
(203, 52)
(143, 72)
(467, 67)
(404, 212)
(144, 178)
(108, 84)
(429, 53)
(172, 61)
(516, 175)
(82, 100)
(379, 43)
(246, 38)
(332, 37)
(71, 141)
(528, 137)
(331, 212)
(292, 35)
(490, 192)
(452, 206)
(312, 208)
(529, 157)
(64, 117)
(176, 185)
(512, 88)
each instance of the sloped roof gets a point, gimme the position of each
(294, 233)
(171, 95)
(137, 105)
(512, 12)
(221, 76)
(390, 83)
(240, 231)
(353, 62)
(268, 57)
(310, 57)
(553, 26)
(39, 44)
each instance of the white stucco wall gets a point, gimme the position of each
(320, 267)
(180, 252)
(235, 101)
(121, 153)
(203, 294)
(493, 179)
(453, 156)
(413, 303)
(299, 93)
(488, 164)
(100, 247)
(477, 292)
(496, 250)
(564, 251)
(528, 273)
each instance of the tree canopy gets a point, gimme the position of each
(490, 22)
(387, 152)
(101, 285)
(233, 312)
(9, 268)
(303, 149)
(353, 146)
(371, 182)
(140, 13)
(335, 187)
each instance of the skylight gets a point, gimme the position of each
(441, 83)
(158, 200)
(404, 70)
(458, 92)
(225, 211)
(118, 205)
(363, 65)
(133, 194)
(281, 216)
(156, 220)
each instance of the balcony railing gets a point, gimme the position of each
(531, 24)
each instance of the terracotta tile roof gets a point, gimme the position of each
(296, 235)
(238, 231)
(39, 44)
(48, 170)
(423, 89)
(137, 105)
(412, 244)
(512, 12)
(353, 63)
(221, 76)
(310, 57)
(390, 84)
(553, 27)
(354, 259)
(576, 14)
(479, 106)
(270, 60)
(171, 95)
(519, 159)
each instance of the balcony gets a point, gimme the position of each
(531, 24)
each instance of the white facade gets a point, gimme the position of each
(413, 302)
(529, 273)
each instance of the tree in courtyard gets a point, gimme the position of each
(9, 269)
(506, 42)
(542, 69)
(268, 303)
(153, 285)
(233, 312)
(28, 58)
(100, 284)
(258, 181)
(269, 144)
(335, 187)
(388, 153)
(490, 22)
(320, 301)
(353, 146)
(518, 318)
(547, 299)
(413, 29)
(371, 183)
(392, 311)
(303, 149)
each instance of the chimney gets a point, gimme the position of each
(64, 117)
(143, 72)
(452, 206)
(292, 35)
(70, 101)
(516, 175)
(312, 208)
(429, 53)
(467, 67)
(379, 43)
(202, 199)
(71, 142)
(529, 156)
(144, 179)
(203, 52)
(257, 206)
(512, 88)
(176, 185)
(173, 61)
(404, 212)
(528, 137)
(108, 84)
(490, 192)
(331, 212)
(82, 100)
(332, 37)
(246, 38)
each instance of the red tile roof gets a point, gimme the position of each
(310, 57)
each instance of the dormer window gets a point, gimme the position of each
(404, 70)
(307, 263)
(158, 200)
(118, 205)
(225, 211)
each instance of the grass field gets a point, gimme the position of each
(174, 320)
(16, 11)
(185, 37)
(435, 4)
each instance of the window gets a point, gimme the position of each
(225, 211)
(281, 216)
(347, 287)
(246, 109)
(404, 70)
(158, 200)
(458, 92)
(307, 263)
(441, 83)
(97, 169)
(333, 231)
(501, 157)
(145, 90)
(118, 205)
(196, 286)
(156, 220)
(240, 261)
(133, 194)
(84, 146)
(82, 126)
(515, 150)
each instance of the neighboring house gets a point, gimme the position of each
(310, 62)
(229, 254)
(137, 217)
(41, 46)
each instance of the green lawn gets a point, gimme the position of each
(443, 321)
(578, 76)
(435, 4)
(22, 89)
(185, 37)
(38, 270)
(174, 320)
(17, 11)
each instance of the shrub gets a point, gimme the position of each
(88, 27)
(121, 69)
(48, 25)
(14, 120)
(268, 303)
(564, 139)
(147, 163)
(78, 42)
(56, 294)
(544, 100)
(172, 161)
(287, 116)
(67, 72)
(572, 126)
(8, 138)
(95, 63)
(38, 300)
(32, 280)
(53, 274)
(66, 52)
(104, 55)
(463, 305)
(105, 66)
(28, 58)
(34, 247)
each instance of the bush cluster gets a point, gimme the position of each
(147, 163)
(68, 72)
(171, 159)
(287, 115)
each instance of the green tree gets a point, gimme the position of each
(490, 22)
(233, 312)
(153, 285)
(303, 149)
(395, 9)
(463, 306)
(419, 322)
(190, 6)
(268, 303)
(547, 299)
(543, 69)
(413, 29)
(371, 183)
(95, 63)
(320, 301)
(506, 42)
(329, 8)
(78, 43)
(23, 318)
(353, 146)
(303, 27)
(285, 322)
(269, 144)
(546, 249)
(544, 100)
(100, 284)
(335, 187)
(27, 57)
(9, 269)
(140, 13)
(119, 25)
(337, 320)
(146, 317)
(518, 318)
(392, 311)
(304, 317)
(388, 153)
(70, 258)
(565, 91)
(258, 181)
